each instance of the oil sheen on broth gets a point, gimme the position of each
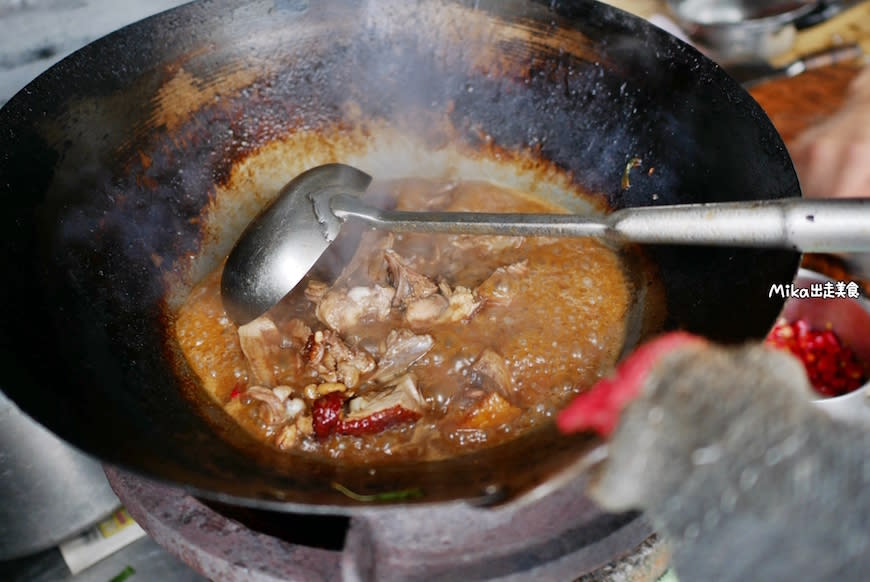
(416, 346)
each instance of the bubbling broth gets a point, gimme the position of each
(417, 346)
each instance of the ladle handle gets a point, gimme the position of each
(818, 226)
(478, 223)
(792, 223)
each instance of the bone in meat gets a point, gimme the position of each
(404, 394)
(491, 373)
(402, 348)
(409, 284)
(499, 288)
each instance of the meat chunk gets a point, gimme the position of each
(462, 302)
(270, 410)
(490, 373)
(287, 438)
(500, 287)
(272, 350)
(343, 309)
(409, 284)
(275, 407)
(367, 264)
(450, 305)
(335, 361)
(426, 311)
(294, 334)
(259, 340)
(490, 412)
(401, 349)
(290, 434)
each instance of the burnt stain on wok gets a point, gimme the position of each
(219, 134)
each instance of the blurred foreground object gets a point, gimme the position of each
(832, 158)
(49, 490)
(732, 462)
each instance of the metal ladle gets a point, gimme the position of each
(281, 245)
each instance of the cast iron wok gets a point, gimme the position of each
(128, 169)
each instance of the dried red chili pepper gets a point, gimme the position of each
(833, 368)
(326, 413)
(327, 417)
(377, 421)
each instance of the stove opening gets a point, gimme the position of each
(326, 532)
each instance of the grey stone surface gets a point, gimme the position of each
(35, 34)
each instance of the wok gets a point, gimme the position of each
(129, 168)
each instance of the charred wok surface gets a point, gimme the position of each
(424, 346)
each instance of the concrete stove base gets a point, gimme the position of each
(562, 537)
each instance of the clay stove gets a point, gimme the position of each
(560, 537)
